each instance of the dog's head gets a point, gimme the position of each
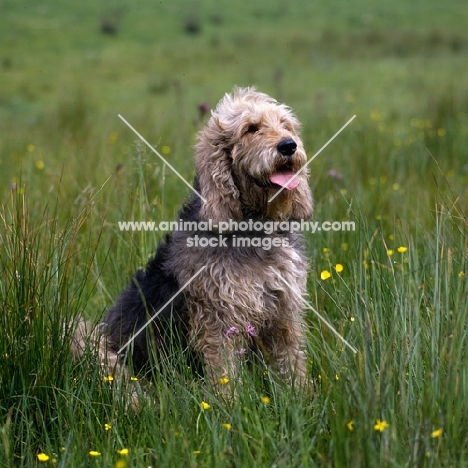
(249, 151)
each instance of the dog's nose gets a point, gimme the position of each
(287, 147)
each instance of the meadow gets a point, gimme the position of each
(396, 288)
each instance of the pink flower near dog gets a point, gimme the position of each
(232, 331)
(250, 329)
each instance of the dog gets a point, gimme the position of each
(236, 298)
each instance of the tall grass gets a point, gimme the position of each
(404, 311)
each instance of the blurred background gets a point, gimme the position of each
(68, 69)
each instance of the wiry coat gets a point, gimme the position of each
(246, 295)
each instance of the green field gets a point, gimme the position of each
(70, 170)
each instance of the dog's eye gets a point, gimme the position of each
(252, 129)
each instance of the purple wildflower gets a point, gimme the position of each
(336, 174)
(203, 109)
(241, 351)
(250, 329)
(232, 331)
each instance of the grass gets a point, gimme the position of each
(70, 170)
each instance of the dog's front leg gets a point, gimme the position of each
(285, 346)
(291, 362)
(220, 355)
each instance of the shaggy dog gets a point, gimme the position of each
(249, 294)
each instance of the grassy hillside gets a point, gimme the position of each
(70, 170)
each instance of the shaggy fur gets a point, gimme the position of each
(238, 302)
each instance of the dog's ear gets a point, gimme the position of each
(302, 205)
(213, 166)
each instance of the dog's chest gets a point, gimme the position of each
(247, 284)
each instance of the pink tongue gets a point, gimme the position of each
(285, 180)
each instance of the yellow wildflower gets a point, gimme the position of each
(339, 267)
(390, 252)
(266, 400)
(107, 426)
(227, 426)
(133, 379)
(325, 250)
(223, 380)
(325, 274)
(166, 149)
(121, 463)
(109, 378)
(436, 433)
(461, 274)
(205, 405)
(350, 425)
(113, 137)
(123, 451)
(94, 453)
(402, 249)
(40, 164)
(381, 425)
(43, 457)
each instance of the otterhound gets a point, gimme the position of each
(249, 296)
